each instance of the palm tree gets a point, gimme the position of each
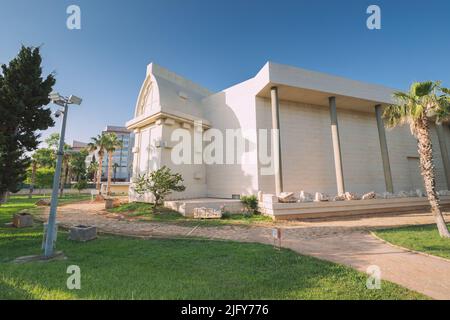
(97, 144)
(426, 102)
(65, 168)
(92, 170)
(112, 144)
(115, 166)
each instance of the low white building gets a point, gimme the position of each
(331, 139)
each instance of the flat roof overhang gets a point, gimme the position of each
(310, 87)
(312, 97)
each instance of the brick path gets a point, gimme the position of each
(345, 241)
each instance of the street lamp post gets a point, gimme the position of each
(50, 235)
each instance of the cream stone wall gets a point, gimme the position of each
(441, 183)
(307, 153)
(306, 148)
(194, 175)
(402, 145)
(234, 108)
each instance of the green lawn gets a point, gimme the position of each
(420, 238)
(17, 203)
(126, 268)
(146, 212)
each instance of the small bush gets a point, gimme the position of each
(226, 215)
(250, 203)
(80, 185)
(248, 213)
(159, 183)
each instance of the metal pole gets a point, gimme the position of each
(48, 251)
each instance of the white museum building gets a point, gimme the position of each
(331, 139)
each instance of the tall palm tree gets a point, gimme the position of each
(65, 168)
(426, 102)
(115, 166)
(97, 144)
(92, 170)
(112, 144)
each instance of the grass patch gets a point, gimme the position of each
(125, 268)
(146, 212)
(17, 203)
(420, 238)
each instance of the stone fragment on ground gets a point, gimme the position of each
(352, 196)
(43, 202)
(207, 213)
(286, 197)
(305, 197)
(369, 195)
(321, 197)
(339, 197)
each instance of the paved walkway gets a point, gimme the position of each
(345, 241)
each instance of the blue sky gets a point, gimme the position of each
(220, 43)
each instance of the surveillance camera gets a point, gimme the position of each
(58, 113)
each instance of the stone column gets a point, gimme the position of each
(444, 152)
(276, 140)
(384, 149)
(336, 147)
(136, 151)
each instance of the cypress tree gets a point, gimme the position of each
(23, 97)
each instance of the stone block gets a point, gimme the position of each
(339, 197)
(403, 194)
(43, 202)
(270, 198)
(207, 213)
(321, 197)
(369, 195)
(82, 233)
(305, 197)
(287, 197)
(351, 196)
(111, 203)
(22, 220)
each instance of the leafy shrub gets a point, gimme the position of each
(226, 215)
(250, 203)
(80, 185)
(159, 183)
(43, 177)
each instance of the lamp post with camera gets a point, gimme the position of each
(64, 102)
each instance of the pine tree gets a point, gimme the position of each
(23, 97)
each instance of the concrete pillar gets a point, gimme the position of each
(276, 140)
(444, 152)
(137, 143)
(336, 147)
(384, 149)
